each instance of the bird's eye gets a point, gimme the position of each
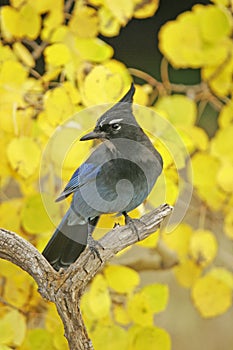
(116, 126)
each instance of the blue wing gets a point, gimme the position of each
(83, 175)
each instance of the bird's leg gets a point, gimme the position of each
(131, 222)
(92, 243)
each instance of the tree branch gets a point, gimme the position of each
(65, 287)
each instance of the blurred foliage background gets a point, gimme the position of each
(60, 60)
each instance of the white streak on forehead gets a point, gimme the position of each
(115, 121)
(102, 122)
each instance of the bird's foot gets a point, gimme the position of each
(132, 224)
(92, 243)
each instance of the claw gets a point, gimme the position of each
(92, 243)
(131, 222)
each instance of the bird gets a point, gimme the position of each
(116, 178)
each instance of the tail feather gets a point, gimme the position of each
(61, 251)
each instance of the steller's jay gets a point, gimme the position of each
(116, 178)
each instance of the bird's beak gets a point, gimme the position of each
(93, 135)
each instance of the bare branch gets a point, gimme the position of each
(66, 287)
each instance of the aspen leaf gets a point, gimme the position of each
(222, 144)
(111, 337)
(57, 54)
(108, 25)
(93, 49)
(180, 109)
(13, 328)
(37, 339)
(23, 54)
(196, 27)
(179, 239)
(145, 9)
(150, 338)
(12, 74)
(99, 298)
(156, 295)
(121, 10)
(201, 165)
(39, 216)
(121, 278)
(58, 106)
(101, 79)
(120, 314)
(225, 176)
(24, 156)
(226, 115)
(187, 272)
(211, 296)
(139, 310)
(223, 275)
(24, 22)
(10, 214)
(84, 22)
(203, 247)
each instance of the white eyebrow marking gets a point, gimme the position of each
(115, 121)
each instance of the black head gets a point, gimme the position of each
(117, 122)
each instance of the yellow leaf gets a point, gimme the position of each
(179, 239)
(84, 22)
(209, 41)
(141, 96)
(150, 338)
(225, 176)
(23, 54)
(223, 275)
(58, 106)
(145, 9)
(203, 247)
(37, 339)
(222, 144)
(199, 138)
(187, 273)
(102, 80)
(12, 74)
(13, 328)
(99, 298)
(120, 314)
(211, 296)
(109, 337)
(180, 109)
(10, 214)
(214, 21)
(122, 10)
(52, 20)
(108, 25)
(201, 165)
(221, 83)
(93, 49)
(156, 295)
(40, 214)
(121, 278)
(24, 156)
(226, 115)
(139, 310)
(9, 22)
(57, 54)
(72, 92)
(23, 22)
